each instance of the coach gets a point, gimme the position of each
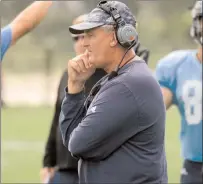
(118, 132)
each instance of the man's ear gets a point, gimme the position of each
(114, 40)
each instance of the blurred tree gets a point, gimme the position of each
(162, 25)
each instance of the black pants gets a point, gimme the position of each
(65, 177)
(191, 172)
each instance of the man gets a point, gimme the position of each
(56, 155)
(23, 23)
(180, 76)
(58, 164)
(118, 132)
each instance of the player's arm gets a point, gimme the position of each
(6, 38)
(166, 76)
(168, 96)
(28, 19)
(23, 23)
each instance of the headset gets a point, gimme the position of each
(126, 34)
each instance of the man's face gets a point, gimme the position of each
(78, 44)
(97, 42)
(201, 26)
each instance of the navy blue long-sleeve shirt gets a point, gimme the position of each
(121, 136)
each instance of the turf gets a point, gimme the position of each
(24, 132)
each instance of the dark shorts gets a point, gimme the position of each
(191, 172)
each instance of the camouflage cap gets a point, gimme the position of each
(78, 20)
(98, 17)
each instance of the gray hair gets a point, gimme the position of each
(108, 28)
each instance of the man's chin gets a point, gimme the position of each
(91, 60)
(94, 62)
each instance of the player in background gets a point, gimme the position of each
(180, 76)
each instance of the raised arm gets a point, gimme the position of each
(28, 19)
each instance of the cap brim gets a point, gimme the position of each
(80, 28)
(76, 35)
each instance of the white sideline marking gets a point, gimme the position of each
(36, 146)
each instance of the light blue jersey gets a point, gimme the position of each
(181, 72)
(6, 37)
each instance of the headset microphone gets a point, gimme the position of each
(115, 73)
(112, 75)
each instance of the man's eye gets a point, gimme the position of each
(90, 35)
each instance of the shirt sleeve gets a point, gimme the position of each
(6, 38)
(106, 125)
(165, 72)
(72, 112)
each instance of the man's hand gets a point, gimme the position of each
(45, 173)
(79, 70)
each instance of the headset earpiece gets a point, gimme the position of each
(126, 34)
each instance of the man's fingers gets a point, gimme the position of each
(86, 59)
(86, 63)
(75, 66)
(81, 64)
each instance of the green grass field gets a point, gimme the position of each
(24, 132)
